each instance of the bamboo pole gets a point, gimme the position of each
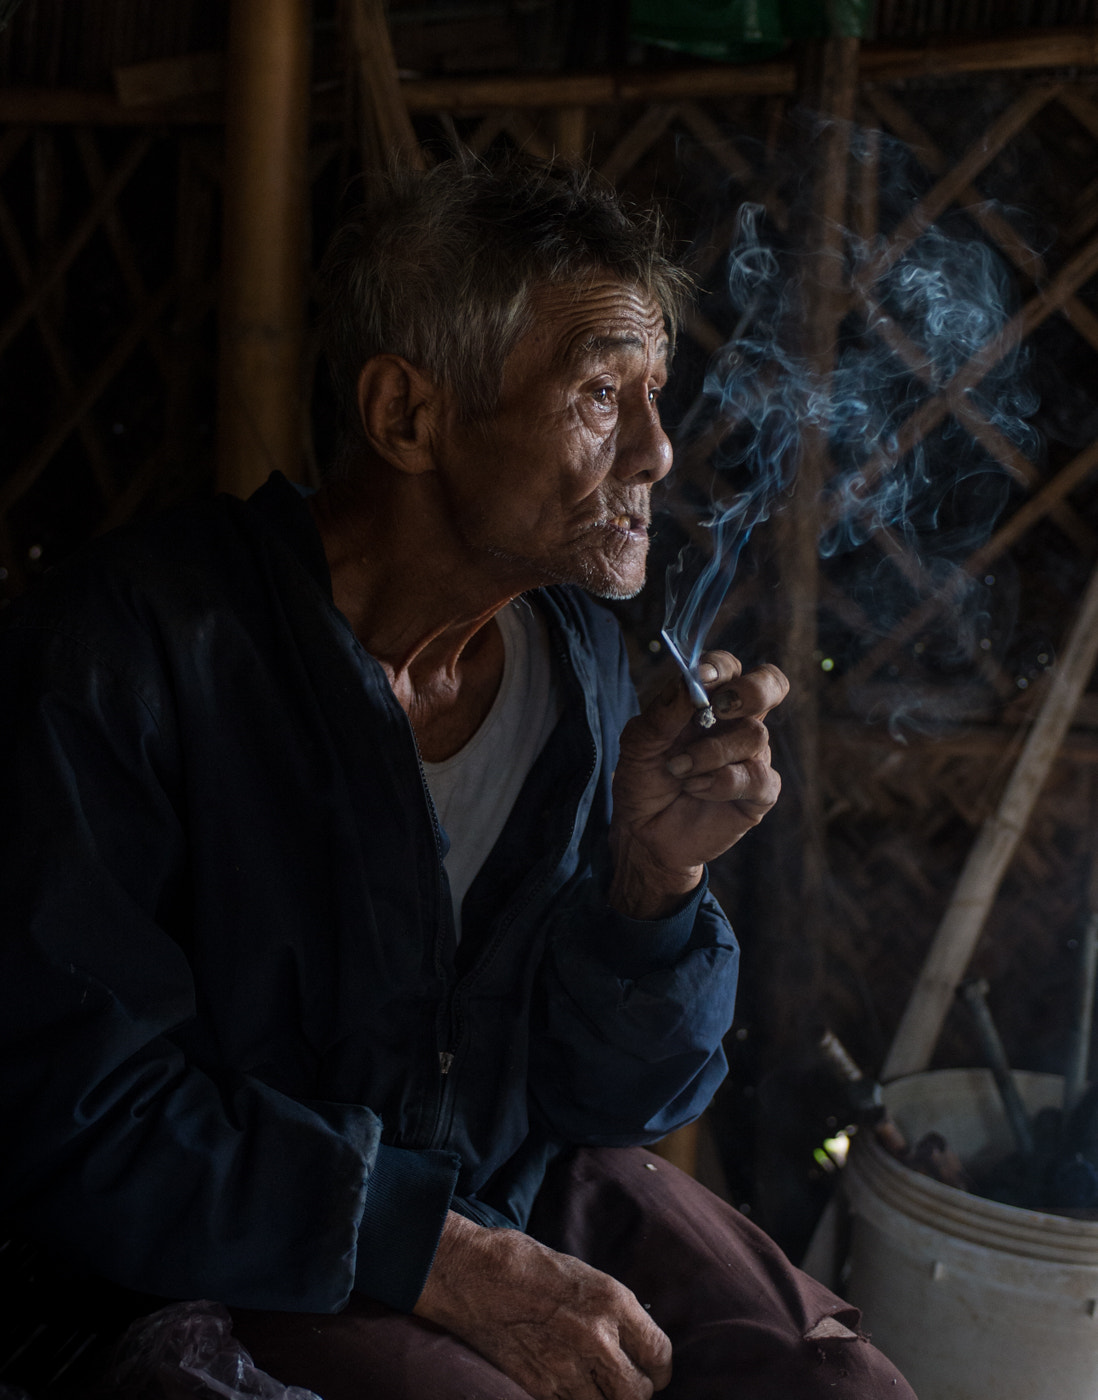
(263, 260)
(1027, 50)
(988, 859)
(829, 89)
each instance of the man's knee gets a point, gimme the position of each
(731, 1302)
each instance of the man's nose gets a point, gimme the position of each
(644, 449)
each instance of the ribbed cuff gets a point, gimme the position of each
(407, 1196)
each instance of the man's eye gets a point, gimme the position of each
(654, 395)
(604, 394)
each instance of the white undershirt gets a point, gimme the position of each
(475, 789)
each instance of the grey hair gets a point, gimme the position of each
(439, 268)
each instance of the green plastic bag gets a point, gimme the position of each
(743, 31)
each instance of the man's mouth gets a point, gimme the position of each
(632, 526)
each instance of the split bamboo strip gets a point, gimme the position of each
(260, 410)
(1083, 319)
(1023, 519)
(56, 353)
(946, 192)
(570, 132)
(386, 128)
(716, 142)
(1082, 108)
(526, 135)
(994, 225)
(49, 279)
(640, 137)
(15, 486)
(1039, 505)
(1086, 204)
(956, 939)
(934, 410)
(933, 159)
(488, 130)
(926, 612)
(121, 245)
(1002, 450)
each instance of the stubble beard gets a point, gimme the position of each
(579, 573)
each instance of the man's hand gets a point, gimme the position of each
(555, 1326)
(682, 794)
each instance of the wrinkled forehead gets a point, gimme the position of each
(574, 322)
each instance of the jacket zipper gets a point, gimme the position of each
(446, 1057)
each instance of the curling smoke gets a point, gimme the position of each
(919, 323)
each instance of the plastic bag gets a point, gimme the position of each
(188, 1349)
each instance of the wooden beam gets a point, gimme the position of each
(266, 195)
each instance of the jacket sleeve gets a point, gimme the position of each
(632, 1012)
(633, 1015)
(121, 1151)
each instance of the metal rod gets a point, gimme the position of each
(974, 994)
(1075, 1080)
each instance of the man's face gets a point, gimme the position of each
(554, 487)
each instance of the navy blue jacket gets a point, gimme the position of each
(243, 1057)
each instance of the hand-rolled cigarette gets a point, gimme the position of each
(706, 718)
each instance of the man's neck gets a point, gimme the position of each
(414, 607)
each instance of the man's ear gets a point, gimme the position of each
(398, 406)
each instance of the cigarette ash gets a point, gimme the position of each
(928, 396)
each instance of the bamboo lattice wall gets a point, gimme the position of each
(109, 218)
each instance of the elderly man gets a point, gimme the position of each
(355, 933)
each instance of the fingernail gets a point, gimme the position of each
(699, 784)
(708, 672)
(726, 702)
(680, 764)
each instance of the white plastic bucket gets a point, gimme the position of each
(971, 1299)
